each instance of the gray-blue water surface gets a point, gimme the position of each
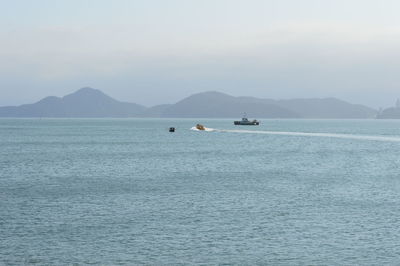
(126, 191)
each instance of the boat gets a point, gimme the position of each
(246, 122)
(200, 127)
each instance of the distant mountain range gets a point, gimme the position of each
(88, 102)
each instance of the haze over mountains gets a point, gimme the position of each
(88, 102)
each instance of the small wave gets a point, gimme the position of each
(305, 134)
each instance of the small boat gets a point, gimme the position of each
(200, 127)
(246, 122)
(171, 129)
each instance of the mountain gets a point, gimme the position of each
(219, 105)
(86, 102)
(390, 113)
(327, 108)
(216, 104)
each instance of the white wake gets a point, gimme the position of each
(306, 134)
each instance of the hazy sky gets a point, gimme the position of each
(159, 51)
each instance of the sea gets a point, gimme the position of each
(129, 192)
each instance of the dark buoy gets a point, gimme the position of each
(171, 129)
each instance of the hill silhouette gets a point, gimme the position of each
(88, 102)
(216, 104)
(391, 112)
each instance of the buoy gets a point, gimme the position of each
(171, 129)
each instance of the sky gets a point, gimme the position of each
(160, 51)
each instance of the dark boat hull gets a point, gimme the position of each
(250, 123)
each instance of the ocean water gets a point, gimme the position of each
(126, 191)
